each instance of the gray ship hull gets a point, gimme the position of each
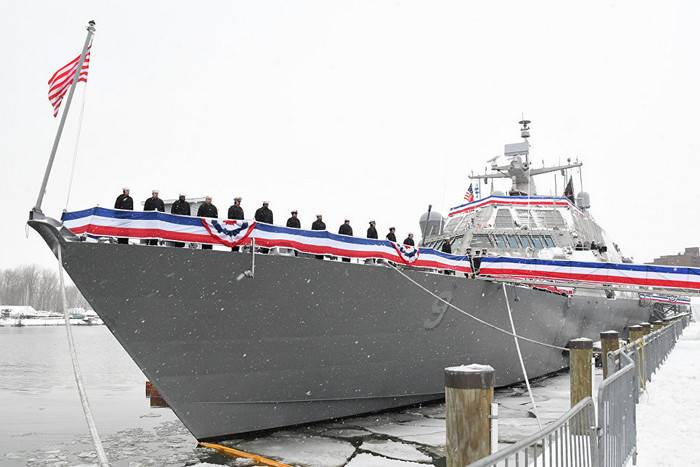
(309, 340)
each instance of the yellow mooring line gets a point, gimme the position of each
(236, 453)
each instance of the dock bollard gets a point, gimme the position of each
(468, 397)
(580, 367)
(609, 342)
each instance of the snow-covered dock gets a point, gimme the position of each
(669, 410)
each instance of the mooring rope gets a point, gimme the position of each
(479, 320)
(101, 456)
(520, 357)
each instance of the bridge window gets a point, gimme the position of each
(513, 241)
(537, 242)
(548, 241)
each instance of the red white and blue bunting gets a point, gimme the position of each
(563, 271)
(516, 201)
(158, 225)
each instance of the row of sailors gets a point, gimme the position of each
(235, 211)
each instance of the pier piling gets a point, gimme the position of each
(609, 342)
(468, 397)
(580, 367)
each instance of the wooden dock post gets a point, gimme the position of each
(634, 332)
(609, 342)
(656, 325)
(646, 328)
(580, 367)
(636, 335)
(468, 397)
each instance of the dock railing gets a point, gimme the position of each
(577, 438)
(570, 441)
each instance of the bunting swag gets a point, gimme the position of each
(154, 224)
(668, 299)
(492, 200)
(641, 275)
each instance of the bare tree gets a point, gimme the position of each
(37, 287)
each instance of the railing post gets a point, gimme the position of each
(609, 342)
(581, 381)
(468, 397)
(636, 337)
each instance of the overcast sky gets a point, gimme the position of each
(364, 109)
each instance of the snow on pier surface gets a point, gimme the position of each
(668, 412)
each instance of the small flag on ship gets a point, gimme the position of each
(469, 195)
(63, 78)
(569, 190)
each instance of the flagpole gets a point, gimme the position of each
(42, 191)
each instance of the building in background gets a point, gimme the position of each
(690, 258)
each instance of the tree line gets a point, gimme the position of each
(38, 287)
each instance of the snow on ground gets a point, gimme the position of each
(668, 414)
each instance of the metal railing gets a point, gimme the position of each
(570, 441)
(576, 439)
(617, 413)
(630, 369)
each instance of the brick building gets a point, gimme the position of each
(690, 258)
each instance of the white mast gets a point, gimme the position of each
(42, 191)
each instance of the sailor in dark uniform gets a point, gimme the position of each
(207, 209)
(345, 229)
(318, 224)
(235, 211)
(181, 207)
(294, 221)
(124, 201)
(372, 230)
(391, 236)
(154, 203)
(409, 240)
(264, 214)
(447, 248)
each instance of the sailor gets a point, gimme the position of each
(207, 209)
(124, 201)
(264, 214)
(318, 225)
(409, 240)
(345, 229)
(235, 211)
(154, 203)
(446, 247)
(293, 221)
(372, 230)
(391, 236)
(579, 245)
(593, 245)
(181, 207)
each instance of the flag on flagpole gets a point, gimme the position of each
(63, 78)
(469, 195)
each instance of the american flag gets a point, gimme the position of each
(63, 78)
(469, 195)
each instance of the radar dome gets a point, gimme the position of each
(498, 193)
(431, 223)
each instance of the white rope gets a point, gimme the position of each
(75, 150)
(479, 320)
(520, 357)
(101, 456)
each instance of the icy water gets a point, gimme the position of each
(41, 421)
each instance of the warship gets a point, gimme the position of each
(303, 340)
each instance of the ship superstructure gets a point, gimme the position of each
(521, 222)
